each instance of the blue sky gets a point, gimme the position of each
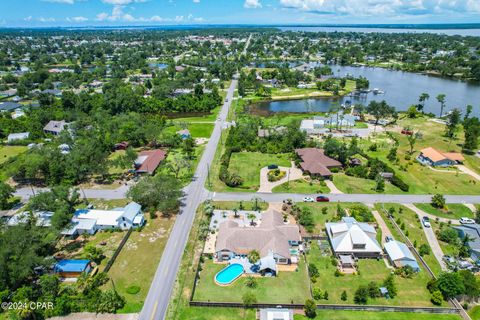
(47, 13)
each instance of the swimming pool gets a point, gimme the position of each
(229, 274)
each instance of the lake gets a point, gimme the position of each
(401, 89)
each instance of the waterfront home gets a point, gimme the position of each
(90, 220)
(322, 125)
(350, 237)
(432, 157)
(273, 239)
(149, 160)
(399, 255)
(314, 162)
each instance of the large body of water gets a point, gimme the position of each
(450, 32)
(401, 89)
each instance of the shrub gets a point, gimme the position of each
(361, 295)
(448, 235)
(313, 270)
(436, 297)
(373, 290)
(424, 249)
(251, 282)
(438, 201)
(361, 213)
(310, 308)
(317, 294)
(344, 296)
(133, 290)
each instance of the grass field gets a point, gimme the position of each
(7, 152)
(248, 164)
(411, 292)
(370, 315)
(198, 313)
(348, 184)
(286, 287)
(453, 211)
(474, 313)
(138, 260)
(414, 228)
(302, 186)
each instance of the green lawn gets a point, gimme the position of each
(348, 184)
(138, 261)
(475, 313)
(247, 205)
(414, 228)
(453, 211)
(198, 313)
(286, 287)
(248, 164)
(319, 217)
(371, 315)
(302, 186)
(7, 152)
(447, 248)
(411, 292)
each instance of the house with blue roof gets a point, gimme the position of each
(399, 255)
(473, 233)
(72, 268)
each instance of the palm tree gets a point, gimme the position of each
(251, 217)
(235, 212)
(422, 99)
(253, 256)
(441, 99)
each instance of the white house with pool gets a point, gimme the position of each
(276, 241)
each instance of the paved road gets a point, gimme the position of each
(156, 303)
(367, 198)
(431, 238)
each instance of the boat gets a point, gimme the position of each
(377, 91)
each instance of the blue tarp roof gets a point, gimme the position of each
(71, 265)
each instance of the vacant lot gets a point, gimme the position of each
(7, 152)
(452, 211)
(411, 292)
(370, 315)
(248, 164)
(348, 184)
(302, 186)
(287, 287)
(138, 260)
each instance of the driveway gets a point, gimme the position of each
(333, 188)
(431, 238)
(469, 171)
(380, 222)
(430, 216)
(292, 173)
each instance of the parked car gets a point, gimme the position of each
(388, 238)
(288, 201)
(426, 222)
(308, 199)
(322, 199)
(272, 167)
(465, 220)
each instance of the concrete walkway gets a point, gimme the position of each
(430, 235)
(412, 207)
(469, 171)
(471, 207)
(333, 188)
(292, 173)
(380, 222)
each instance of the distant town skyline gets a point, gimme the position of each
(51, 13)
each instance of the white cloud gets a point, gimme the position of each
(42, 19)
(252, 4)
(29, 18)
(196, 1)
(382, 7)
(77, 19)
(122, 2)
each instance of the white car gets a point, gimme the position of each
(464, 220)
(426, 222)
(308, 199)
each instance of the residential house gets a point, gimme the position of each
(149, 160)
(432, 157)
(322, 125)
(17, 136)
(276, 314)
(350, 237)
(184, 134)
(53, 92)
(273, 239)
(314, 162)
(55, 127)
(265, 133)
(473, 232)
(90, 220)
(400, 255)
(41, 218)
(72, 268)
(9, 106)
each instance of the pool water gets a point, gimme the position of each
(229, 274)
